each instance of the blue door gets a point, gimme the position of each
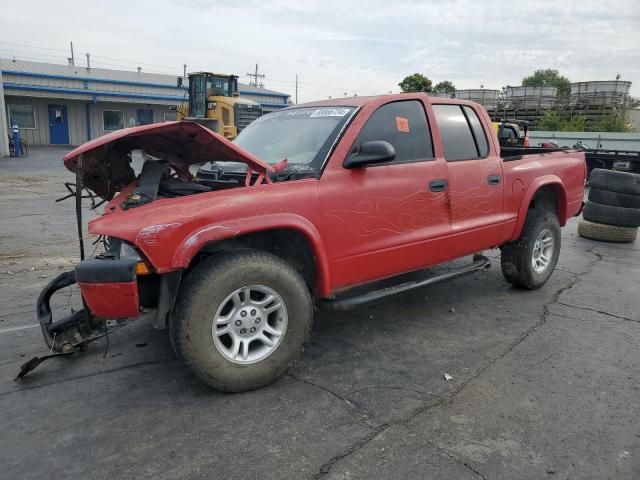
(58, 125)
(145, 116)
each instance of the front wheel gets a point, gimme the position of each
(241, 320)
(529, 261)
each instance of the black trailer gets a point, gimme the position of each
(623, 160)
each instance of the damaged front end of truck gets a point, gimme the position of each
(121, 284)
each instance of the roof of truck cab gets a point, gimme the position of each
(362, 101)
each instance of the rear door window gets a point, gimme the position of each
(457, 137)
(477, 130)
(404, 125)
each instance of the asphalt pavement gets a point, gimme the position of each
(542, 384)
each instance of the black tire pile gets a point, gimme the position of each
(612, 212)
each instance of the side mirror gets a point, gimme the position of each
(377, 151)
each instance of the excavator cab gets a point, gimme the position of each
(215, 103)
(203, 85)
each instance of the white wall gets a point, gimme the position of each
(610, 140)
(77, 117)
(130, 115)
(40, 134)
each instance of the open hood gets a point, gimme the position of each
(106, 167)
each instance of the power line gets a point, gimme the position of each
(39, 53)
(34, 46)
(24, 50)
(255, 77)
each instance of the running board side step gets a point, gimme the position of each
(480, 262)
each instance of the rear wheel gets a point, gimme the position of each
(529, 261)
(241, 320)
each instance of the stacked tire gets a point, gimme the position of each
(612, 212)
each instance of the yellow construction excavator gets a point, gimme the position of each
(214, 102)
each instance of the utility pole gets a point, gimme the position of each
(296, 88)
(73, 59)
(255, 77)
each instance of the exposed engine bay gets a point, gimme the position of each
(158, 179)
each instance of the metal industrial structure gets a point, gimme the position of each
(593, 100)
(530, 97)
(485, 97)
(600, 93)
(70, 104)
(439, 94)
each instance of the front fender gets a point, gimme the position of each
(534, 187)
(197, 239)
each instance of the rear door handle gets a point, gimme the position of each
(438, 185)
(493, 179)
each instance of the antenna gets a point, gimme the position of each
(256, 76)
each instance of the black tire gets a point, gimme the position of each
(615, 199)
(606, 233)
(516, 258)
(608, 215)
(615, 181)
(204, 291)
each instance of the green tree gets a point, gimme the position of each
(548, 78)
(578, 123)
(415, 83)
(614, 122)
(555, 121)
(445, 86)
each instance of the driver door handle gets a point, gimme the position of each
(439, 185)
(493, 179)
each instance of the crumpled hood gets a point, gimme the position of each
(106, 165)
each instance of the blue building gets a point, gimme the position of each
(68, 105)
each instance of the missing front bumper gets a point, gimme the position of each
(69, 334)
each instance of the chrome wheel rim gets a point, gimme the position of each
(249, 324)
(542, 251)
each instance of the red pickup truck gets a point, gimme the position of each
(331, 195)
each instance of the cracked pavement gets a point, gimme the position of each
(545, 383)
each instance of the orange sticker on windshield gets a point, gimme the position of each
(402, 124)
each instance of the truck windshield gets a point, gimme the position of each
(303, 136)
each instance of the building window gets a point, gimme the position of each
(112, 120)
(170, 116)
(22, 115)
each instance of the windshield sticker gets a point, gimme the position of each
(402, 124)
(309, 112)
(330, 112)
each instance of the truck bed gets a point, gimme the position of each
(516, 153)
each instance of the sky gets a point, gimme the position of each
(336, 47)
